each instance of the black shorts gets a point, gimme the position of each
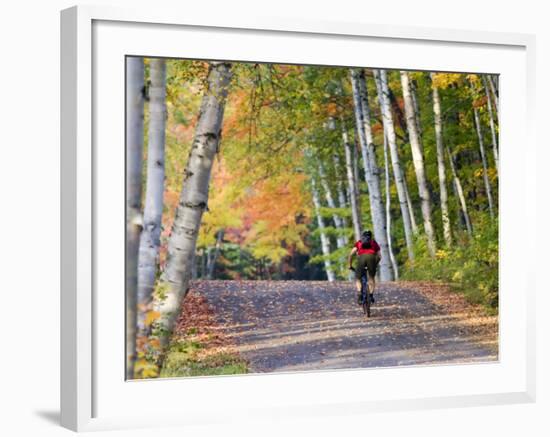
(368, 261)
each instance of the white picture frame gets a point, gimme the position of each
(92, 376)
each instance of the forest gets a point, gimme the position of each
(253, 171)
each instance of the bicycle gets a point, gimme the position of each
(365, 297)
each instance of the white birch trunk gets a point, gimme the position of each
(212, 260)
(193, 198)
(388, 209)
(484, 163)
(340, 191)
(154, 192)
(441, 166)
(355, 216)
(325, 242)
(493, 86)
(371, 170)
(410, 205)
(340, 240)
(416, 110)
(389, 130)
(491, 123)
(134, 221)
(460, 193)
(418, 161)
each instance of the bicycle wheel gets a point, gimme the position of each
(365, 300)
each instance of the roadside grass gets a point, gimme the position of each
(189, 357)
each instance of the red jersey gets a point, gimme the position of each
(374, 248)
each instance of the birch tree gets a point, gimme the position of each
(380, 77)
(325, 242)
(418, 162)
(410, 206)
(213, 256)
(371, 170)
(484, 163)
(440, 150)
(134, 221)
(460, 192)
(352, 183)
(491, 122)
(388, 209)
(193, 199)
(494, 90)
(340, 240)
(154, 191)
(340, 191)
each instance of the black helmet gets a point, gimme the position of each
(366, 239)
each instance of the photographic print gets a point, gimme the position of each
(285, 218)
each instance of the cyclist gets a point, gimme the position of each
(368, 256)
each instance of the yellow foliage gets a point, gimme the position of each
(145, 369)
(151, 317)
(444, 80)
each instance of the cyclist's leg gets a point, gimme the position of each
(371, 264)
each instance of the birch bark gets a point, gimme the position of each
(389, 130)
(410, 205)
(493, 84)
(460, 192)
(491, 123)
(388, 209)
(134, 221)
(371, 170)
(193, 198)
(441, 166)
(484, 163)
(418, 161)
(355, 216)
(340, 240)
(152, 214)
(212, 261)
(325, 242)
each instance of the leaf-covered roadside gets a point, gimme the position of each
(199, 346)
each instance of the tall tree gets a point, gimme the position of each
(371, 170)
(349, 150)
(213, 254)
(381, 78)
(340, 239)
(325, 241)
(418, 162)
(441, 165)
(484, 163)
(134, 220)
(193, 198)
(493, 84)
(491, 122)
(152, 214)
(388, 209)
(460, 192)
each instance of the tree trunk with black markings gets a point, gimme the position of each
(325, 241)
(418, 162)
(152, 213)
(441, 166)
(381, 79)
(134, 221)
(371, 170)
(193, 199)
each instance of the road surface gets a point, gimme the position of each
(285, 326)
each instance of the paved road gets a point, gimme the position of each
(296, 325)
